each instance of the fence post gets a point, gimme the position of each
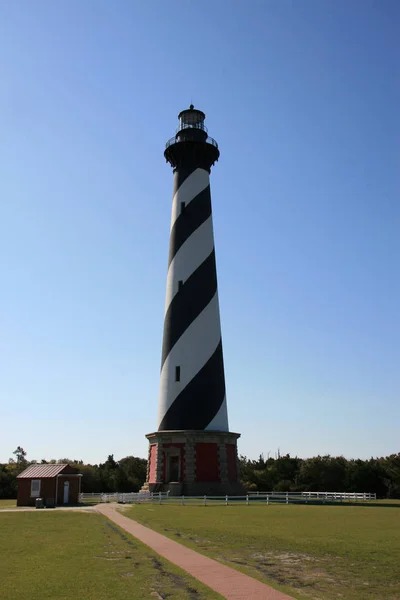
(247, 499)
(226, 500)
(267, 499)
(183, 500)
(287, 497)
(205, 500)
(159, 498)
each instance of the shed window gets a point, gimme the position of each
(35, 488)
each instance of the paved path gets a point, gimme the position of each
(231, 584)
(16, 510)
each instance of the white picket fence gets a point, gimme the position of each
(125, 498)
(251, 498)
(350, 496)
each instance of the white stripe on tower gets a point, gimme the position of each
(193, 252)
(195, 346)
(189, 189)
(192, 385)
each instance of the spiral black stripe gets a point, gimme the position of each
(185, 307)
(192, 382)
(194, 215)
(180, 175)
(201, 399)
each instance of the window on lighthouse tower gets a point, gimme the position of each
(177, 373)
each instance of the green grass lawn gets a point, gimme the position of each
(311, 552)
(8, 504)
(67, 555)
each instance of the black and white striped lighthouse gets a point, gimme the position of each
(193, 450)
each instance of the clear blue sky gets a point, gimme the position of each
(303, 99)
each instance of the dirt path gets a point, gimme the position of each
(231, 584)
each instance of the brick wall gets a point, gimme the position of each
(207, 467)
(153, 464)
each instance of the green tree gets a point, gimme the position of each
(20, 455)
(391, 466)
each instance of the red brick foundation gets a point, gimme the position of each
(193, 463)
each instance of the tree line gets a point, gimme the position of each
(282, 473)
(323, 474)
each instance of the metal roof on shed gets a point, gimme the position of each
(39, 471)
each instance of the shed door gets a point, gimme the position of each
(66, 492)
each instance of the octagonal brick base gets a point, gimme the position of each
(193, 463)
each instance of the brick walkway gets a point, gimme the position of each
(231, 584)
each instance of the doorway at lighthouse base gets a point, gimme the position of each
(193, 463)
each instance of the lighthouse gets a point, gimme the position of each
(192, 452)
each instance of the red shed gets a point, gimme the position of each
(56, 484)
